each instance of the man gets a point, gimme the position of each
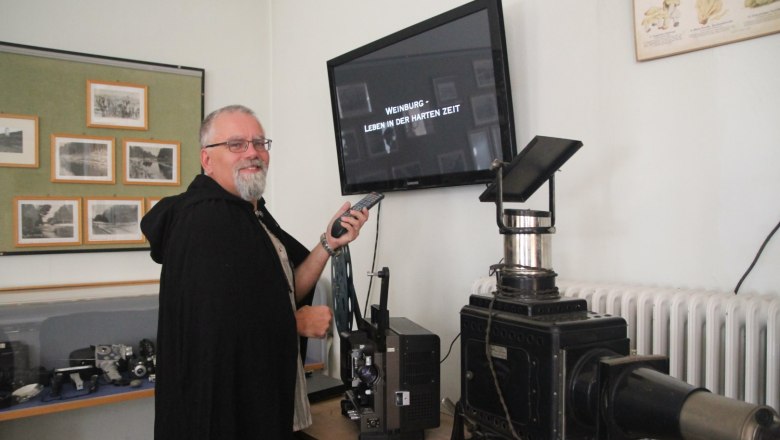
(228, 360)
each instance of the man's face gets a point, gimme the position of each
(233, 170)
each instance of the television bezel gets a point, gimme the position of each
(503, 95)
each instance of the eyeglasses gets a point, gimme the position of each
(240, 145)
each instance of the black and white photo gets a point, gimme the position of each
(151, 162)
(18, 140)
(47, 221)
(117, 105)
(113, 220)
(82, 159)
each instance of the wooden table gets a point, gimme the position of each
(330, 424)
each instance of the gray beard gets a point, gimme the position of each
(250, 187)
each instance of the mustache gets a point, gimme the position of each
(240, 165)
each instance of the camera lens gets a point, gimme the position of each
(139, 370)
(368, 374)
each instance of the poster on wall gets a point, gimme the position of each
(669, 27)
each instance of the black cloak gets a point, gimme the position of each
(226, 337)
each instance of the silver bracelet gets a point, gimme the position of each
(326, 246)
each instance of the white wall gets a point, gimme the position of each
(676, 185)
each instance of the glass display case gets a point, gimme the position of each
(69, 353)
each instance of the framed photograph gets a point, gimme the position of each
(113, 220)
(663, 28)
(151, 162)
(353, 100)
(483, 73)
(47, 221)
(82, 159)
(485, 109)
(117, 105)
(445, 90)
(150, 202)
(18, 140)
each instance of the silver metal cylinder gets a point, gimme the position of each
(708, 416)
(531, 250)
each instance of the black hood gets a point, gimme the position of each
(157, 223)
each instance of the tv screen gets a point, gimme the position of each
(428, 106)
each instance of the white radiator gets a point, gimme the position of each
(729, 344)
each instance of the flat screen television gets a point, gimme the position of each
(428, 106)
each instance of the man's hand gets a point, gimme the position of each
(352, 223)
(313, 321)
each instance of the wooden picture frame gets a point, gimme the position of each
(18, 140)
(670, 28)
(113, 220)
(117, 105)
(82, 159)
(151, 162)
(150, 202)
(47, 221)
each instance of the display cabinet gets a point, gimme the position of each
(64, 349)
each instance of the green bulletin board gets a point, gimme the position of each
(52, 87)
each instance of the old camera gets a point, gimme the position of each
(143, 365)
(115, 359)
(112, 359)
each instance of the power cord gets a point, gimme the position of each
(450, 349)
(493, 369)
(507, 292)
(758, 254)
